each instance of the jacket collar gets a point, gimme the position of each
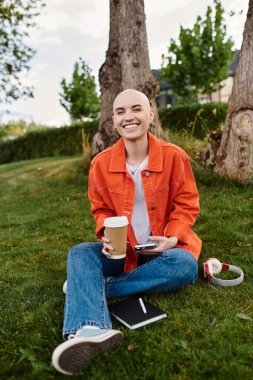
(155, 152)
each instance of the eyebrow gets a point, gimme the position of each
(122, 108)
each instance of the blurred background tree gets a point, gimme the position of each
(199, 62)
(16, 19)
(79, 96)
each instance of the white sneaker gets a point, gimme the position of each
(81, 347)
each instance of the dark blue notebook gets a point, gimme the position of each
(132, 314)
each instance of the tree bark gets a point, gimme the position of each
(235, 154)
(127, 65)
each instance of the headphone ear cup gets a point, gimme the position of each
(210, 267)
(216, 266)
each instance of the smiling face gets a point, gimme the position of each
(132, 114)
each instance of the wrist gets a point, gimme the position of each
(172, 240)
(173, 237)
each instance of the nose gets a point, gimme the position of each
(128, 115)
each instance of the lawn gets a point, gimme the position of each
(209, 330)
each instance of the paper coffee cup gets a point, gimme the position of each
(116, 232)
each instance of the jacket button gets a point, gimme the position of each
(147, 174)
(153, 208)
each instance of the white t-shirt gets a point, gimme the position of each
(140, 220)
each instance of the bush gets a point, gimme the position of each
(194, 119)
(48, 142)
(18, 128)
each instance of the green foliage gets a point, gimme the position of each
(193, 146)
(193, 119)
(18, 128)
(79, 97)
(16, 18)
(199, 62)
(48, 142)
(208, 331)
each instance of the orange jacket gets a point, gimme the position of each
(170, 191)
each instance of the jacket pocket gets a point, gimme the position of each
(112, 198)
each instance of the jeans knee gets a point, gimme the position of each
(185, 266)
(73, 254)
(189, 269)
(83, 251)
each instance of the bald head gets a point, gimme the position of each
(124, 98)
(132, 114)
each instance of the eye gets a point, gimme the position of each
(137, 110)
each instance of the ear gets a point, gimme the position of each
(113, 122)
(151, 114)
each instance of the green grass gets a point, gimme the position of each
(209, 330)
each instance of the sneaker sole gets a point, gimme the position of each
(75, 353)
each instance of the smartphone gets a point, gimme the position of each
(142, 247)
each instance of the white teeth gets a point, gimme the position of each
(131, 126)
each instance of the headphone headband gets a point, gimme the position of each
(213, 266)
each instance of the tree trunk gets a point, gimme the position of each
(235, 155)
(126, 66)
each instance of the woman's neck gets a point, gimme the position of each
(136, 151)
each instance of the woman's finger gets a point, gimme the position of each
(158, 238)
(106, 253)
(105, 239)
(108, 246)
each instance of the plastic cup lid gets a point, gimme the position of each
(116, 221)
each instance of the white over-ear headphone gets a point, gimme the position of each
(213, 266)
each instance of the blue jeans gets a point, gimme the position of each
(92, 278)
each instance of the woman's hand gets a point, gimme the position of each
(163, 244)
(106, 246)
